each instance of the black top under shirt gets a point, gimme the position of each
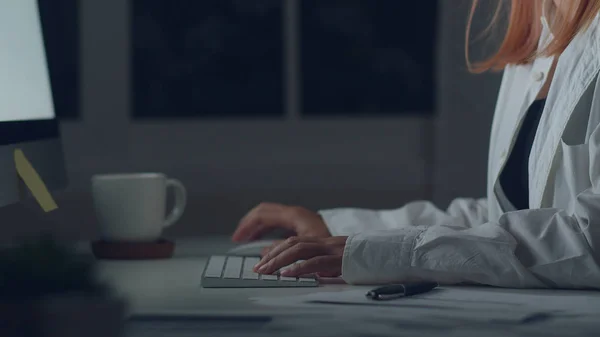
(514, 178)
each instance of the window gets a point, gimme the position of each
(208, 58)
(231, 58)
(60, 25)
(365, 57)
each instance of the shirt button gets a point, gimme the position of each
(538, 76)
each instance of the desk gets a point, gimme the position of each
(172, 288)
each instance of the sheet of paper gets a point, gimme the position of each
(344, 320)
(568, 301)
(450, 305)
(34, 182)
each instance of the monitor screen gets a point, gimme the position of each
(25, 92)
(27, 118)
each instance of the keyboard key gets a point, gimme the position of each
(250, 275)
(269, 277)
(215, 266)
(233, 267)
(287, 279)
(306, 279)
(247, 272)
(250, 262)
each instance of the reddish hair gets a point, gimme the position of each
(524, 29)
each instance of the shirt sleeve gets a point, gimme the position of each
(462, 211)
(535, 248)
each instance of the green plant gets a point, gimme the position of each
(40, 267)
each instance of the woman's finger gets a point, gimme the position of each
(266, 250)
(321, 264)
(300, 251)
(278, 248)
(261, 220)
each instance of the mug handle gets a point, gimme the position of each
(180, 202)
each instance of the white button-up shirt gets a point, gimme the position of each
(486, 241)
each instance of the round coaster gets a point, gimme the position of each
(161, 249)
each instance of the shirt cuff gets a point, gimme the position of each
(349, 221)
(380, 257)
(335, 226)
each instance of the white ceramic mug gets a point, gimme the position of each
(132, 206)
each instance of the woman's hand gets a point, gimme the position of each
(266, 217)
(322, 256)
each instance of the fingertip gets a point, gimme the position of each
(236, 237)
(243, 226)
(242, 234)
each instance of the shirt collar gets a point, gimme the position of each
(546, 36)
(547, 10)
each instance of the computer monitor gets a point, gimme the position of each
(27, 117)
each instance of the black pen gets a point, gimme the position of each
(394, 291)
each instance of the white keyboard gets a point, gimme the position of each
(236, 272)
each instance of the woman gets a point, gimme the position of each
(540, 223)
